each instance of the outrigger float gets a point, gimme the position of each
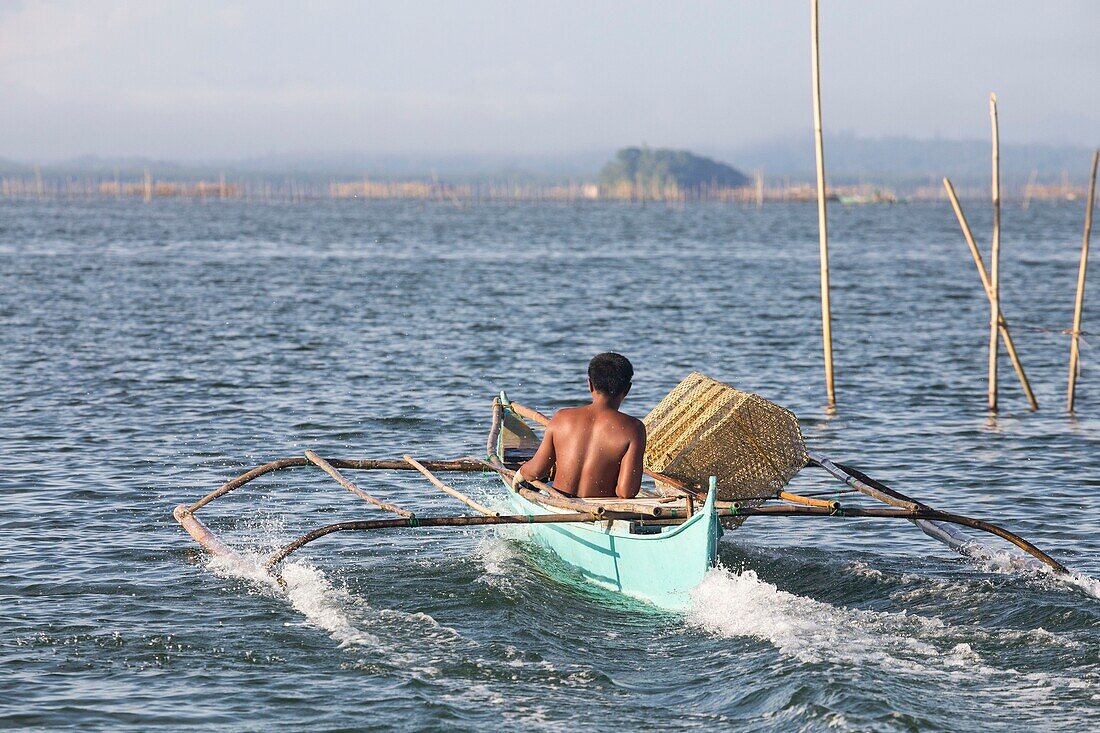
(717, 457)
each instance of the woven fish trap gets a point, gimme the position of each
(705, 428)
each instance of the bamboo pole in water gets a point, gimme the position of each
(995, 258)
(1074, 349)
(1006, 336)
(201, 533)
(926, 514)
(822, 225)
(1028, 189)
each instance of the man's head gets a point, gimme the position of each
(610, 374)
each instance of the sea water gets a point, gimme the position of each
(151, 352)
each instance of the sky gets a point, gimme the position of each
(200, 81)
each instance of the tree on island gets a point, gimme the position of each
(663, 169)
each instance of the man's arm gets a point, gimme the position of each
(540, 464)
(630, 470)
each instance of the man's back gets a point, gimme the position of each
(591, 446)
(595, 450)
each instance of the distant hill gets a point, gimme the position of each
(663, 167)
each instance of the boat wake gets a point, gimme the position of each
(308, 591)
(1006, 562)
(344, 616)
(1090, 585)
(914, 652)
(731, 605)
(990, 559)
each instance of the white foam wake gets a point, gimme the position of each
(996, 560)
(323, 605)
(1091, 586)
(1003, 561)
(730, 605)
(306, 588)
(344, 616)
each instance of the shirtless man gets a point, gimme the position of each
(595, 451)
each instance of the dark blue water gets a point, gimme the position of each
(152, 352)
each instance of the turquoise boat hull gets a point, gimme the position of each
(660, 568)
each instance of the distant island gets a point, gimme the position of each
(642, 171)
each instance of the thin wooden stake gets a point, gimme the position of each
(822, 225)
(1030, 186)
(995, 258)
(448, 490)
(1074, 349)
(1006, 336)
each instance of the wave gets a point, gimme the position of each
(738, 605)
(729, 604)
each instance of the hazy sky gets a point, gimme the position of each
(205, 80)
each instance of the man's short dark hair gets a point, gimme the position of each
(610, 373)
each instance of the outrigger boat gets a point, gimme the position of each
(717, 456)
(656, 562)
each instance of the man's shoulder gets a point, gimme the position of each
(567, 414)
(637, 425)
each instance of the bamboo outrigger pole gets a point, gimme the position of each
(933, 522)
(465, 465)
(928, 519)
(328, 468)
(995, 258)
(448, 490)
(1074, 348)
(1006, 336)
(822, 225)
(919, 514)
(452, 521)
